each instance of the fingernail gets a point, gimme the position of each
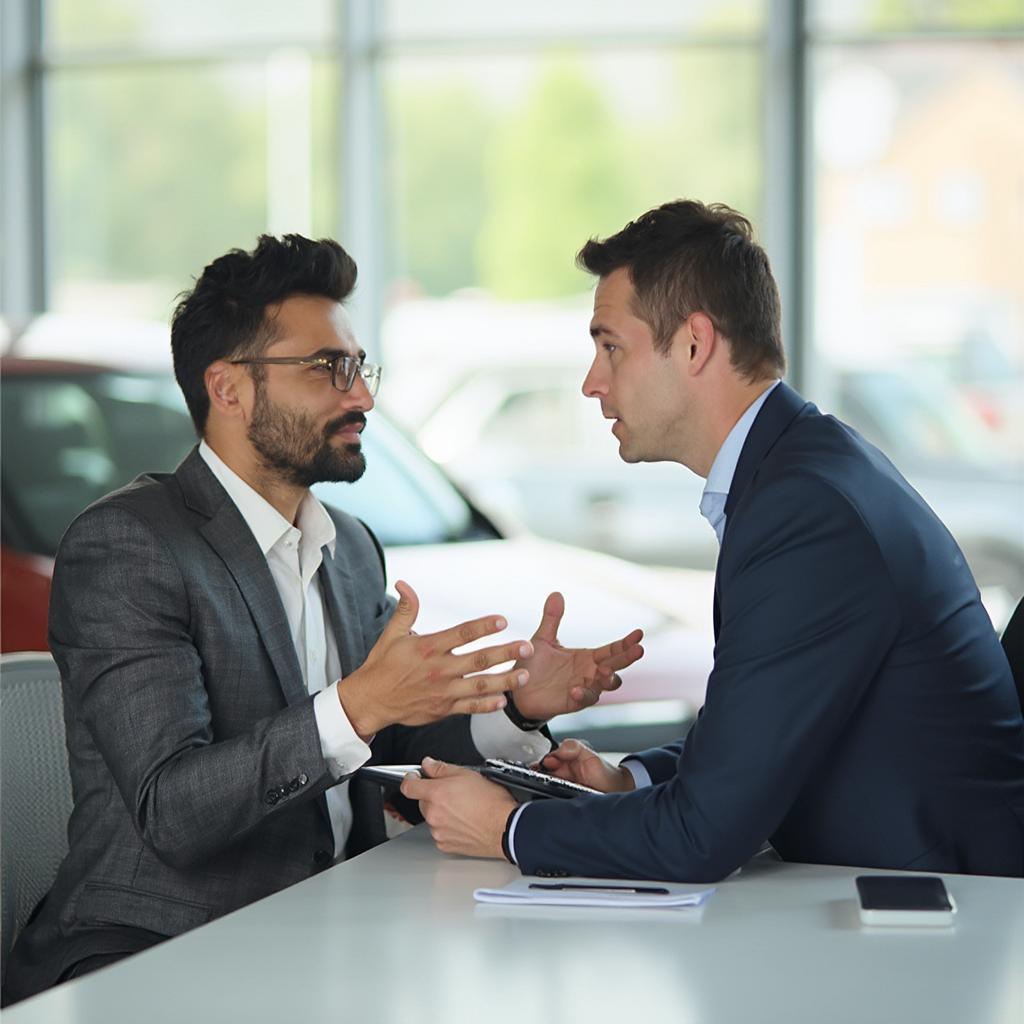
(428, 762)
(502, 701)
(500, 623)
(522, 678)
(524, 650)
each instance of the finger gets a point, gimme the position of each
(435, 769)
(622, 660)
(466, 632)
(566, 751)
(616, 647)
(551, 619)
(408, 608)
(583, 697)
(478, 705)
(488, 657)
(414, 787)
(605, 682)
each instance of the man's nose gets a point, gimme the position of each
(358, 396)
(594, 384)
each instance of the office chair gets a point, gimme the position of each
(1013, 645)
(35, 786)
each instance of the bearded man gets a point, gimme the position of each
(228, 654)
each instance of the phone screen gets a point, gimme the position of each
(902, 892)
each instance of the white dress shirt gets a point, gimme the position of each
(294, 555)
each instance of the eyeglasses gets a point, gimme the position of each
(343, 369)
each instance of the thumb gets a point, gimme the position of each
(408, 608)
(433, 769)
(554, 609)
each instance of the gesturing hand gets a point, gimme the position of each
(412, 679)
(564, 679)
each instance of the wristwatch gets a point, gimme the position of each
(517, 718)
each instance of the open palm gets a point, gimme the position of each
(564, 679)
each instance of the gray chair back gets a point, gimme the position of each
(35, 786)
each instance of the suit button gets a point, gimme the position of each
(293, 785)
(282, 791)
(303, 778)
(271, 797)
(321, 857)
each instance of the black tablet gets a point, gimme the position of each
(511, 774)
(517, 776)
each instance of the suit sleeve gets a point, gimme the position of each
(120, 631)
(808, 614)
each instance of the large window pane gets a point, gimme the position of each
(157, 170)
(856, 16)
(918, 292)
(453, 19)
(501, 168)
(154, 25)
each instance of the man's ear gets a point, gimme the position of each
(700, 338)
(222, 387)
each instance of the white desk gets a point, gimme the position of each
(395, 936)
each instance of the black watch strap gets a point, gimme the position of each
(517, 719)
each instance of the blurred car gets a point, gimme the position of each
(522, 438)
(73, 431)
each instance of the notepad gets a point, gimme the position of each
(531, 890)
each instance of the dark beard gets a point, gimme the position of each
(288, 442)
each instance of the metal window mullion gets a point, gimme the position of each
(23, 284)
(362, 137)
(788, 186)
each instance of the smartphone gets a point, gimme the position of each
(905, 901)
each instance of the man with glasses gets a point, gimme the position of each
(228, 653)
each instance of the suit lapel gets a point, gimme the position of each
(230, 537)
(342, 608)
(780, 408)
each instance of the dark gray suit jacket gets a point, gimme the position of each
(195, 758)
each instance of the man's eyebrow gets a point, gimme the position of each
(331, 353)
(596, 330)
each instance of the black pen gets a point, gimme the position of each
(565, 886)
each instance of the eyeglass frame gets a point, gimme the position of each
(370, 372)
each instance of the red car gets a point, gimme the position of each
(71, 432)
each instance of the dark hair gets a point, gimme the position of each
(685, 257)
(224, 315)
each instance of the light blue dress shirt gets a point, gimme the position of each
(723, 469)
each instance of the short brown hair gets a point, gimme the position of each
(684, 257)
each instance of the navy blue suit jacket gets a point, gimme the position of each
(860, 709)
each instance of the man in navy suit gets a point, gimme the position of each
(860, 709)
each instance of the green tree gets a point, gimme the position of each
(555, 177)
(439, 137)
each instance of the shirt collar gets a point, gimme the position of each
(724, 467)
(268, 526)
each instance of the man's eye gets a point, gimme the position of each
(320, 368)
(609, 347)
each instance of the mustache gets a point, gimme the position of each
(350, 419)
